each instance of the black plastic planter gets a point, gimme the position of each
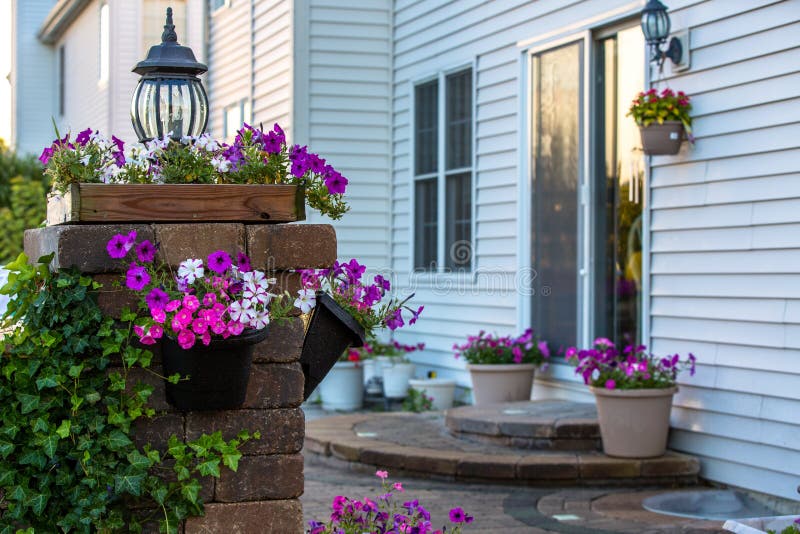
(218, 373)
(330, 331)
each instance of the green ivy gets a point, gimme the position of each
(67, 404)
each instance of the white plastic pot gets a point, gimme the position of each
(759, 525)
(343, 388)
(395, 380)
(372, 371)
(441, 390)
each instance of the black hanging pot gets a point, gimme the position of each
(662, 139)
(218, 373)
(330, 331)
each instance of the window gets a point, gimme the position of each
(443, 173)
(61, 74)
(233, 117)
(216, 4)
(105, 43)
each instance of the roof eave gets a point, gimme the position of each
(59, 19)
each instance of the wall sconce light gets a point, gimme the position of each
(656, 26)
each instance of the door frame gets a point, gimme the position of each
(585, 31)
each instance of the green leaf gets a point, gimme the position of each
(209, 467)
(28, 402)
(49, 445)
(127, 315)
(6, 448)
(33, 457)
(75, 371)
(37, 503)
(63, 428)
(139, 461)
(117, 440)
(231, 460)
(129, 484)
(191, 490)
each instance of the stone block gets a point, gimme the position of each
(197, 240)
(670, 465)
(596, 466)
(280, 247)
(275, 385)
(430, 462)
(281, 430)
(278, 476)
(548, 467)
(262, 517)
(111, 300)
(487, 466)
(157, 430)
(385, 456)
(81, 246)
(158, 399)
(283, 344)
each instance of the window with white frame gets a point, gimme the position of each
(234, 116)
(443, 114)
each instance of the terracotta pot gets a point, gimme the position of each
(662, 139)
(492, 384)
(218, 373)
(395, 380)
(343, 387)
(441, 390)
(634, 423)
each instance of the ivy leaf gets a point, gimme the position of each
(28, 402)
(6, 448)
(191, 490)
(128, 484)
(47, 381)
(127, 315)
(6, 476)
(49, 445)
(34, 458)
(40, 425)
(139, 461)
(209, 467)
(117, 440)
(75, 371)
(63, 428)
(37, 503)
(231, 460)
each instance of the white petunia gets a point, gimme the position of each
(190, 270)
(306, 300)
(260, 320)
(220, 164)
(241, 313)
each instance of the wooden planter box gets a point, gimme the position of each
(105, 203)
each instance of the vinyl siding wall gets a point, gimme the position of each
(725, 220)
(346, 103)
(33, 78)
(723, 215)
(273, 69)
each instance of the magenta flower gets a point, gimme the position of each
(206, 338)
(395, 320)
(47, 153)
(158, 315)
(381, 474)
(145, 251)
(157, 331)
(172, 306)
(219, 261)
(83, 137)
(118, 246)
(544, 349)
(611, 383)
(335, 182)
(186, 339)
(415, 315)
(136, 278)
(209, 300)
(156, 299)
(191, 303)
(243, 262)
(199, 326)
(234, 328)
(457, 515)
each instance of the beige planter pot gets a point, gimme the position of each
(634, 423)
(492, 384)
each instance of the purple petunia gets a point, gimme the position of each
(83, 137)
(415, 315)
(157, 299)
(395, 320)
(334, 181)
(47, 153)
(145, 251)
(219, 261)
(243, 262)
(119, 245)
(136, 277)
(382, 282)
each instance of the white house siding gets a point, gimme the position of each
(725, 221)
(229, 79)
(346, 104)
(33, 78)
(440, 35)
(272, 64)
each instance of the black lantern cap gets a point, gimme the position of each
(169, 56)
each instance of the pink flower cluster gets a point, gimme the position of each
(201, 301)
(492, 349)
(381, 516)
(362, 300)
(603, 365)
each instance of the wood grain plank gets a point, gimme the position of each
(178, 203)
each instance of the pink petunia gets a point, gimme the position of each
(186, 339)
(158, 315)
(191, 303)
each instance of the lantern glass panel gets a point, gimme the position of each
(175, 106)
(655, 26)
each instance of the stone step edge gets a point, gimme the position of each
(548, 429)
(334, 437)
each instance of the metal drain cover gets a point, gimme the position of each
(707, 504)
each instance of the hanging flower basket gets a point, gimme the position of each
(662, 139)
(218, 373)
(330, 331)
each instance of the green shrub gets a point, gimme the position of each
(11, 165)
(27, 209)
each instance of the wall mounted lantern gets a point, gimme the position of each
(656, 26)
(170, 98)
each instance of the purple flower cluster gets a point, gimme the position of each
(362, 300)
(382, 516)
(492, 349)
(303, 161)
(57, 144)
(603, 365)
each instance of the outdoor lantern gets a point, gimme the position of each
(655, 26)
(170, 98)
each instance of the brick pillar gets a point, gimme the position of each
(262, 496)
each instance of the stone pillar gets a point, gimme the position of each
(262, 496)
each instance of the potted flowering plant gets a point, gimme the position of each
(502, 367)
(343, 387)
(208, 317)
(343, 310)
(95, 179)
(634, 391)
(383, 514)
(663, 118)
(379, 358)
